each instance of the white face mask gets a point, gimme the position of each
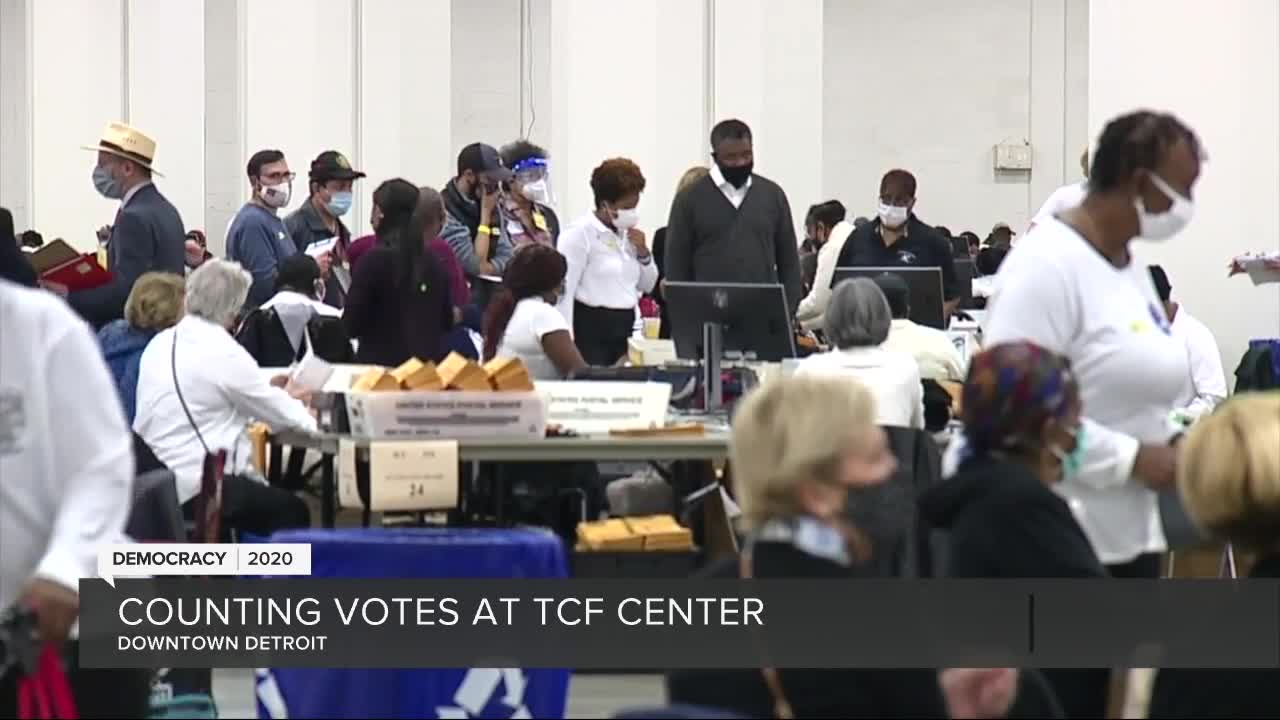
(624, 220)
(1162, 226)
(892, 216)
(537, 191)
(276, 196)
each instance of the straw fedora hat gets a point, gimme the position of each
(126, 142)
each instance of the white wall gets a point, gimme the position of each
(299, 83)
(166, 95)
(15, 110)
(72, 101)
(403, 98)
(769, 73)
(931, 87)
(1224, 81)
(607, 101)
(402, 85)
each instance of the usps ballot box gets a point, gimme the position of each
(450, 415)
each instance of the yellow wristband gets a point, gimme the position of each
(484, 230)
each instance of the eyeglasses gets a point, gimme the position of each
(277, 177)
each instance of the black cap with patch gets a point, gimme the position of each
(484, 160)
(332, 165)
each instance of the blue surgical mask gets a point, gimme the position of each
(106, 183)
(1074, 460)
(340, 203)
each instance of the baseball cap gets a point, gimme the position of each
(332, 165)
(484, 160)
(1002, 226)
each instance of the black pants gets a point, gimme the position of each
(256, 508)
(601, 333)
(97, 693)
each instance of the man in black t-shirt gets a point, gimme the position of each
(897, 238)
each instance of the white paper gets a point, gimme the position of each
(600, 407)
(491, 278)
(1255, 265)
(413, 475)
(348, 493)
(312, 372)
(320, 247)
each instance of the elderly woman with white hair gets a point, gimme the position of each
(800, 446)
(857, 322)
(198, 390)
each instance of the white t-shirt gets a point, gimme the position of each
(532, 319)
(66, 456)
(892, 377)
(1064, 198)
(1064, 296)
(1206, 384)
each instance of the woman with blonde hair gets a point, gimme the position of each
(690, 176)
(1229, 480)
(800, 446)
(155, 303)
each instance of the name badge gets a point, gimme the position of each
(539, 221)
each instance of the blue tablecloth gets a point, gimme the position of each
(421, 553)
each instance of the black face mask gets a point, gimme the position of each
(736, 176)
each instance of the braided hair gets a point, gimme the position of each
(535, 270)
(1137, 141)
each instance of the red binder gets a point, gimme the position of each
(58, 262)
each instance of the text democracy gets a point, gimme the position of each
(145, 558)
(447, 611)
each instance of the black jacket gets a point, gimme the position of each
(395, 320)
(263, 336)
(147, 236)
(812, 693)
(306, 227)
(1220, 693)
(822, 693)
(995, 519)
(1000, 521)
(14, 265)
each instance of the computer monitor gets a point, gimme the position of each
(965, 270)
(754, 319)
(925, 284)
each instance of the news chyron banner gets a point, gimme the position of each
(282, 619)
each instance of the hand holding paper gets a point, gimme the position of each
(1261, 267)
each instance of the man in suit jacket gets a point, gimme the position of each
(147, 234)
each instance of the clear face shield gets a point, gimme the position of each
(532, 179)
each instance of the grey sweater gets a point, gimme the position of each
(708, 240)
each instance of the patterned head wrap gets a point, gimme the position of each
(1011, 391)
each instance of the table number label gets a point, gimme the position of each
(348, 492)
(413, 475)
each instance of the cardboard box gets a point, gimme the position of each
(508, 375)
(415, 374)
(459, 373)
(376, 380)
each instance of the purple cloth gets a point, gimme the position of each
(459, 293)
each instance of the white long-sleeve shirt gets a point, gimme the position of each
(1057, 291)
(224, 390)
(933, 350)
(814, 304)
(603, 270)
(66, 456)
(892, 377)
(1206, 385)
